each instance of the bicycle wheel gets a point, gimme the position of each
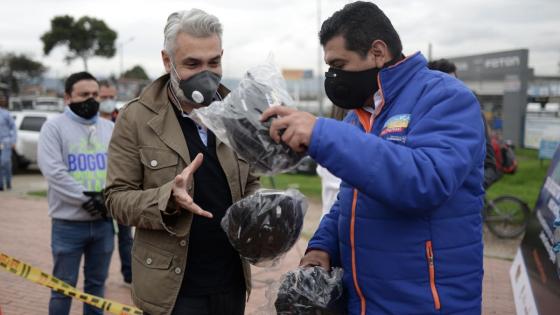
(507, 216)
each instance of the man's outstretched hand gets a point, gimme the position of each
(183, 182)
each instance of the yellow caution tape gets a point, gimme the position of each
(36, 275)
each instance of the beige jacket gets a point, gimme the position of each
(146, 152)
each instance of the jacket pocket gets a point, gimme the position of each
(152, 279)
(160, 166)
(152, 257)
(432, 274)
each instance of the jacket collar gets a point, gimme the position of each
(155, 95)
(165, 123)
(392, 79)
(166, 126)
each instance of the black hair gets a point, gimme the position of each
(75, 78)
(360, 23)
(442, 65)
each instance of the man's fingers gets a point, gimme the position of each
(316, 263)
(294, 140)
(195, 164)
(311, 263)
(277, 125)
(182, 198)
(185, 201)
(297, 144)
(277, 111)
(180, 181)
(194, 208)
(287, 135)
(316, 258)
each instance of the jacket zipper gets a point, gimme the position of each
(432, 271)
(353, 246)
(367, 124)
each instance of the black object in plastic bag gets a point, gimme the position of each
(265, 225)
(236, 120)
(311, 291)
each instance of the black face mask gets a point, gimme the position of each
(86, 109)
(201, 87)
(351, 89)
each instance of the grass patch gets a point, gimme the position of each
(309, 185)
(526, 182)
(38, 193)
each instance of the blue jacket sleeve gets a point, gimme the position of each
(326, 236)
(443, 145)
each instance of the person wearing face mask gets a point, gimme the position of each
(173, 180)
(107, 100)
(72, 155)
(406, 227)
(107, 108)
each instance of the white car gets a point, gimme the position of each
(28, 123)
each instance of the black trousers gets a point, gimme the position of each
(230, 303)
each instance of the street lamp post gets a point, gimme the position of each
(121, 54)
(319, 63)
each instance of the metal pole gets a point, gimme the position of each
(319, 63)
(121, 50)
(121, 61)
(429, 51)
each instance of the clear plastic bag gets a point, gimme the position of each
(311, 291)
(236, 120)
(265, 225)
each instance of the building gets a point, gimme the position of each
(508, 91)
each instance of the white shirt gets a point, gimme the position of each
(377, 99)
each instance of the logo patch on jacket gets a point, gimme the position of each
(395, 128)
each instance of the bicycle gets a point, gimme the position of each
(506, 216)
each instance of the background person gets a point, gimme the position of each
(491, 172)
(8, 138)
(107, 109)
(72, 155)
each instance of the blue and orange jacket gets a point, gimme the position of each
(407, 225)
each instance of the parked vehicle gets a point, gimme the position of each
(41, 103)
(28, 125)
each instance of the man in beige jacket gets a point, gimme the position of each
(174, 180)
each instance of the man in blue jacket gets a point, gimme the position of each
(406, 227)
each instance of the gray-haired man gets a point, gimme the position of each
(173, 180)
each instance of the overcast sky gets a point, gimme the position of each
(288, 29)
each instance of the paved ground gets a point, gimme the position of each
(25, 234)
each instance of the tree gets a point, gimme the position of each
(16, 68)
(136, 72)
(85, 38)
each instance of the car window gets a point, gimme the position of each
(32, 123)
